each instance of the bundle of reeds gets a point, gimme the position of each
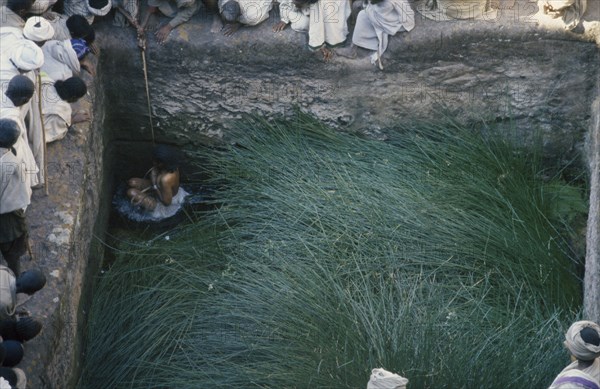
(441, 255)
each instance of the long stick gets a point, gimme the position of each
(147, 92)
(29, 249)
(44, 153)
(142, 46)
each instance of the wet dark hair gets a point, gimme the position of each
(590, 335)
(19, 6)
(9, 133)
(71, 89)
(168, 156)
(20, 90)
(78, 26)
(231, 11)
(98, 4)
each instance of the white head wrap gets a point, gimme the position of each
(577, 346)
(27, 56)
(383, 379)
(102, 11)
(38, 29)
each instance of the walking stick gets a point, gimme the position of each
(142, 46)
(44, 152)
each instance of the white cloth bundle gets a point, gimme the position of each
(383, 379)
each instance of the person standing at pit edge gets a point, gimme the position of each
(583, 342)
(15, 196)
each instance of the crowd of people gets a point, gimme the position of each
(325, 21)
(40, 62)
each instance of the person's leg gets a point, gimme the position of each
(139, 183)
(144, 200)
(13, 251)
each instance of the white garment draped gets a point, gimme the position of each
(60, 60)
(328, 23)
(298, 19)
(378, 21)
(30, 168)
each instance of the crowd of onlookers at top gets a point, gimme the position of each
(40, 62)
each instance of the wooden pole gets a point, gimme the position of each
(142, 46)
(44, 152)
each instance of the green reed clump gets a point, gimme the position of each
(441, 255)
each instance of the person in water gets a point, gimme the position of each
(163, 186)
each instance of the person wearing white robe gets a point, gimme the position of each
(180, 12)
(59, 24)
(583, 342)
(20, 56)
(87, 8)
(243, 12)
(38, 30)
(12, 13)
(571, 11)
(38, 7)
(60, 60)
(11, 29)
(328, 25)
(297, 17)
(378, 21)
(15, 196)
(56, 108)
(8, 110)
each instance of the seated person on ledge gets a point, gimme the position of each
(235, 13)
(163, 185)
(180, 11)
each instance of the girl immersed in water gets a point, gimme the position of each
(160, 195)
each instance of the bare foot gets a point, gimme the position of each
(327, 54)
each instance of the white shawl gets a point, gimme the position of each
(60, 60)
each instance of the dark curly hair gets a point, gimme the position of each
(167, 156)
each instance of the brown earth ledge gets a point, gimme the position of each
(444, 56)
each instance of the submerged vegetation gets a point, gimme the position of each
(442, 255)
